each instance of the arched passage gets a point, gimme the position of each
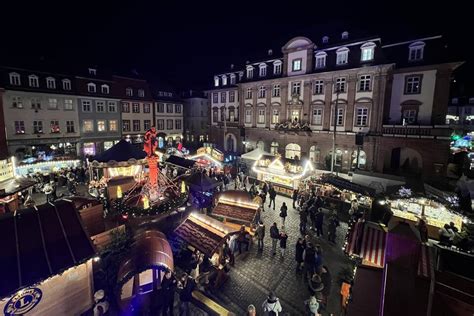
(293, 151)
(406, 160)
(230, 142)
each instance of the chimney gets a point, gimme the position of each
(231, 66)
(270, 52)
(345, 35)
(325, 39)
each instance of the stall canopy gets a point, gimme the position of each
(14, 185)
(181, 162)
(347, 185)
(203, 233)
(123, 151)
(236, 206)
(39, 243)
(367, 240)
(255, 154)
(201, 182)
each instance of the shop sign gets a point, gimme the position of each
(23, 302)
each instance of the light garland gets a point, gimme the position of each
(308, 167)
(238, 203)
(208, 221)
(218, 163)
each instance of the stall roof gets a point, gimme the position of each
(201, 182)
(181, 162)
(348, 185)
(14, 185)
(38, 243)
(236, 206)
(123, 151)
(255, 154)
(366, 292)
(367, 240)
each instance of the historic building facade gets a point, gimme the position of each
(167, 116)
(289, 104)
(196, 118)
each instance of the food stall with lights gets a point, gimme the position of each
(10, 186)
(236, 208)
(208, 157)
(284, 174)
(33, 165)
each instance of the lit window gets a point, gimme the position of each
(70, 127)
(126, 125)
(340, 117)
(362, 116)
(262, 70)
(367, 51)
(413, 84)
(136, 125)
(261, 92)
(100, 106)
(318, 87)
(215, 97)
(136, 108)
(248, 116)
(50, 83)
(277, 67)
(88, 126)
(105, 89)
(224, 80)
(20, 127)
(340, 85)
(129, 92)
(125, 107)
(146, 124)
(216, 81)
(146, 108)
(274, 148)
(15, 79)
(317, 116)
(54, 126)
(113, 125)
(321, 60)
(53, 104)
(66, 84)
(223, 97)
(364, 83)
(276, 91)
(275, 116)
(33, 80)
(232, 79)
(249, 93)
(296, 88)
(91, 87)
(17, 102)
(342, 56)
(86, 106)
(296, 64)
(249, 72)
(261, 116)
(37, 127)
(231, 114)
(112, 106)
(68, 104)
(141, 93)
(416, 51)
(231, 96)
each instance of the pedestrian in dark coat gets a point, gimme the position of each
(272, 194)
(283, 239)
(283, 213)
(275, 235)
(319, 222)
(299, 253)
(168, 286)
(295, 197)
(309, 259)
(260, 232)
(303, 220)
(332, 227)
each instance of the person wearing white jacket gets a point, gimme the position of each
(271, 306)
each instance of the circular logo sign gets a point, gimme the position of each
(23, 302)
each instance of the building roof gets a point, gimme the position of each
(38, 243)
(181, 162)
(14, 185)
(201, 182)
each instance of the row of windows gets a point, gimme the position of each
(169, 108)
(160, 124)
(100, 126)
(37, 127)
(100, 106)
(135, 125)
(17, 102)
(129, 92)
(215, 97)
(231, 115)
(135, 107)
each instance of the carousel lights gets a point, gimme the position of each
(146, 202)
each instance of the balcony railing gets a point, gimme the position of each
(421, 131)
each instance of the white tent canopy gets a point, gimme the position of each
(255, 154)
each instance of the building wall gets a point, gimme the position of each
(196, 120)
(3, 137)
(174, 132)
(136, 135)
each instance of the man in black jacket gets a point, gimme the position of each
(275, 235)
(168, 286)
(272, 193)
(187, 287)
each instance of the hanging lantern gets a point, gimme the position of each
(146, 203)
(119, 192)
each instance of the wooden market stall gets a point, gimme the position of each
(236, 208)
(208, 157)
(285, 174)
(46, 262)
(10, 186)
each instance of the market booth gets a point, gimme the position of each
(236, 208)
(10, 186)
(249, 159)
(46, 262)
(208, 157)
(33, 165)
(283, 173)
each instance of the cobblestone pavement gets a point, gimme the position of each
(255, 274)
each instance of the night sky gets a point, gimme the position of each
(185, 44)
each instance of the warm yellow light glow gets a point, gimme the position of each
(238, 203)
(208, 221)
(308, 167)
(146, 202)
(206, 156)
(183, 187)
(119, 192)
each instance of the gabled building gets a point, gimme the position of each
(196, 118)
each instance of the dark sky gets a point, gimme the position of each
(186, 43)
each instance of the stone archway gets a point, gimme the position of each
(405, 160)
(230, 142)
(293, 151)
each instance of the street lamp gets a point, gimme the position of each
(333, 158)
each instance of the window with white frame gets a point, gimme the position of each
(224, 80)
(112, 106)
(37, 127)
(169, 124)
(415, 51)
(86, 106)
(277, 67)
(113, 126)
(177, 124)
(413, 84)
(68, 104)
(231, 114)
(50, 83)
(19, 127)
(126, 125)
(261, 92)
(36, 103)
(100, 106)
(136, 108)
(146, 124)
(216, 81)
(342, 56)
(223, 96)
(215, 115)
(317, 118)
(215, 97)
(276, 90)
(66, 84)
(169, 108)
(14, 79)
(125, 107)
(53, 104)
(136, 125)
(249, 72)
(409, 116)
(249, 93)
(274, 148)
(296, 88)
(261, 116)
(241, 75)
(340, 85)
(146, 107)
(340, 117)
(231, 96)
(275, 116)
(160, 124)
(177, 108)
(296, 64)
(129, 92)
(70, 127)
(367, 51)
(248, 116)
(320, 60)
(101, 125)
(232, 79)
(318, 87)
(17, 102)
(365, 83)
(262, 70)
(92, 71)
(91, 88)
(33, 81)
(105, 89)
(362, 116)
(141, 93)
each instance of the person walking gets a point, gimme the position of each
(312, 306)
(187, 286)
(271, 306)
(332, 227)
(299, 254)
(312, 210)
(168, 286)
(319, 220)
(272, 194)
(283, 213)
(283, 239)
(275, 235)
(309, 259)
(260, 232)
(295, 197)
(303, 220)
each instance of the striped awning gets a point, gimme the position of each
(426, 262)
(368, 241)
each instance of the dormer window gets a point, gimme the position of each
(367, 51)
(224, 80)
(216, 81)
(342, 56)
(416, 51)
(50, 83)
(321, 60)
(91, 88)
(33, 80)
(262, 70)
(141, 94)
(232, 79)
(249, 72)
(241, 75)
(325, 39)
(92, 71)
(66, 84)
(129, 92)
(15, 79)
(277, 67)
(296, 64)
(345, 35)
(105, 89)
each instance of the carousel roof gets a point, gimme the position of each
(123, 151)
(38, 243)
